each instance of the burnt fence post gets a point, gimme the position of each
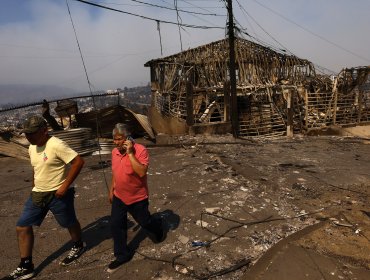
(189, 104)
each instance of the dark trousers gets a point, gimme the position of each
(140, 212)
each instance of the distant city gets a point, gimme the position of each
(136, 99)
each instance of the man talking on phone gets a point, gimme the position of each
(129, 194)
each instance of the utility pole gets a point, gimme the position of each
(233, 97)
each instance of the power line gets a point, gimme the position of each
(117, 4)
(148, 18)
(159, 6)
(268, 34)
(198, 7)
(79, 48)
(285, 50)
(176, 9)
(179, 21)
(160, 36)
(91, 93)
(195, 14)
(311, 32)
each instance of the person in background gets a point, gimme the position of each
(55, 167)
(129, 194)
(48, 117)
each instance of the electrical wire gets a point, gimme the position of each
(312, 33)
(179, 10)
(79, 48)
(239, 264)
(148, 18)
(179, 20)
(198, 7)
(89, 83)
(160, 37)
(264, 30)
(284, 49)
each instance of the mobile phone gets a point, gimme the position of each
(130, 138)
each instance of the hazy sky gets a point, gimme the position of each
(38, 44)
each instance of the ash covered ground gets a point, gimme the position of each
(260, 209)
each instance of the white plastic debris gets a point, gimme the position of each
(201, 223)
(183, 239)
(213, 210)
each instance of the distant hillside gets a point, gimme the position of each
(23, 94)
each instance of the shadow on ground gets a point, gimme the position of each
(93, 234)
(99, 231)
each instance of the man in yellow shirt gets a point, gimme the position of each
(52, 190)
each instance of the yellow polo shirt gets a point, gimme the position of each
(49, 163)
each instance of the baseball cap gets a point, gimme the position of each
(32, 124)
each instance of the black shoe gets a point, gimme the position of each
(160, 237)
(73, 255)
(21, 273)
(157, 233)
(160, 234)
(114, 265)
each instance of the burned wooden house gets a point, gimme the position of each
(190, 92)
(346, 104)
(277, 94)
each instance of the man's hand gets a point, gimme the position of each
(111, 189)
(110, 196)
(61, 192)
(129, 147)
(76, 166)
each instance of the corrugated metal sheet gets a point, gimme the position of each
(13, 145)
(12, 149)
(144, 121)
(105, 148)
(80, 139)
(106, 118)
